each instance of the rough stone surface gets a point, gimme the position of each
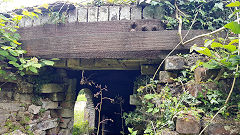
(44, 125)
(103, 13)
(136, 13)
(3, 130)
(22, 97)
(11, 106)
(25, 87)
(202, 74)
(67, 104)
(166, 77)
(64, 122)
(221, 126)
(188, 125)
(72, 16)
(28, 22)
(47, 104)
(89, 110)
(174, 63)
(51, 88)
(148, 69)
(57, 97)
(3, 116)
(92, 14)
(70, 124)
(73, 63)
(222, 129)
(64, 132)
(125, 13)
(54, 113)
(21, 22)
(133, 100)
(24, 117)
(17, 132)
(193, 58)
(44, 116)
(39, 132)
(70, 97)
(34, 109)
(62, 63)
(53, 131)
(82, 14)
(194, 88)
(169, 132)
(44, 19)
(113, 13)
(37, 21)
(6, 95)
(67, 113)
(72, 86)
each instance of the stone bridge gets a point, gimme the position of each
(112, 44)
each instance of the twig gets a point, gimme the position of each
(234, 80)
(212, 120)
(204, 35)
(174, 47)
(154, 128)
(180, 22)
(220, 73)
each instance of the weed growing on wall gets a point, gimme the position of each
(160, 107)
(12, 60)
(210, 14)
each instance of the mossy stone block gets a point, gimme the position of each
(51, 88)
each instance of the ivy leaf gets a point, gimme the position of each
(234, 26)
(155, 110)
(4, 53)
(149, 96)
(48, 62)
(215, 45)
(230, 48)
(14, 63)
(234, 41)
(198, 63)
(26, 13)
(37, 10)
(208, 42)
(234, 4)
(55, 59)
(45, 6)
(13, 52)
(11, 58)
(150, 110)
(235, 11)
(202, 50)
(219, 5)
(211, 65)
(33, 69)
(22, 60)
(37, 65)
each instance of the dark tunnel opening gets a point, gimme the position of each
(119, 87)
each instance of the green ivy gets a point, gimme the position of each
(11, 53)
(210, 14)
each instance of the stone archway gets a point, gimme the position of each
(89, 110)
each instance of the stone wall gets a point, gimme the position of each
(50, 110)
(190, 125)
(101, 13)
